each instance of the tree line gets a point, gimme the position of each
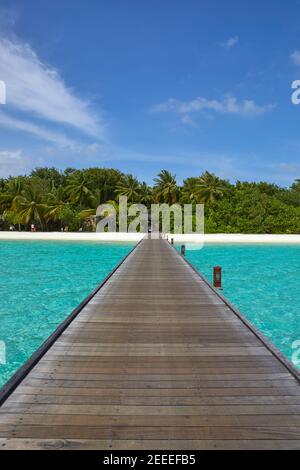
(58, 200)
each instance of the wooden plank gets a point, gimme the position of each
(182, 421)
(149, 410)
(31, 397)
(190, 378)
(118, 384)
(149, 361)
(151, 432)
(162, 444)
(155, 360)
(41, 390)
(139, 372)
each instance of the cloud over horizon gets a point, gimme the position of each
(13, 163)
(229, 105)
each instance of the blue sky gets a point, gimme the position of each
(143, 85)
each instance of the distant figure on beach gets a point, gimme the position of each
(32, 228)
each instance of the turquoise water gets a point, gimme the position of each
(40, 284)
(263, 281)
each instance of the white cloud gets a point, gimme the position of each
(287, 167)
(94, 148)
(12, 163)
(187, 120)
(295, 57)
(229, 105)
(34, 87)
(230, 42)
(42, 133)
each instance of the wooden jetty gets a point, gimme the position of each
(156, 359)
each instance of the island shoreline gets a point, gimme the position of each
(221, 238)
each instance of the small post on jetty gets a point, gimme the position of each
(182, 250)
(218, 277)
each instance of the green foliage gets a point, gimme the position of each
(129, 187)
(54, 200)
(250, 210)
(165, 187)
(208, 188)
(52, 175)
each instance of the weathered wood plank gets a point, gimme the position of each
(196, 384)
(41, 396)
(149, 410)
(159, 392)
(162, 444)
(182, 421)
(151, 432)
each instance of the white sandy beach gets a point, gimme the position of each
(235, 238)
(80, 236)
(135, 237)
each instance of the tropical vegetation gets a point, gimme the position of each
(67, 200)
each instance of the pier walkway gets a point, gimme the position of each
(155, 360)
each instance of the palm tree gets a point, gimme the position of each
(188, 190)
(94, 201)
(209, 188)
(30, 207)
(9, 198)
(13, 191)
(129, 187)
(56, 205)
(78, 189)
(165, 187)
(145, 194)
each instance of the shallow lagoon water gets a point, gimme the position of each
(263, 281)
(41, 282)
